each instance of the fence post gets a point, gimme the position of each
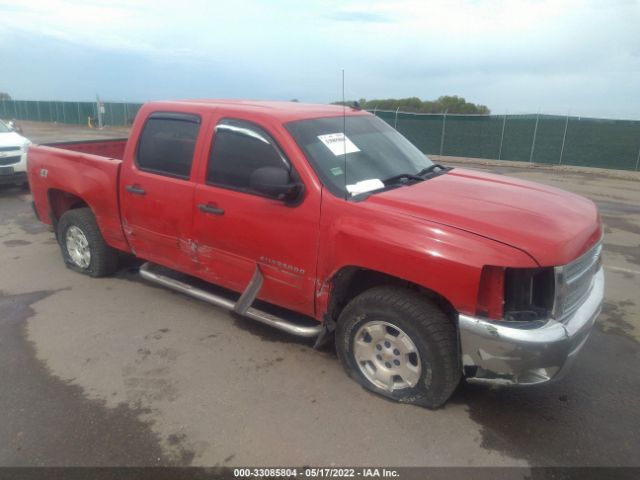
(38, 109)
(79, 119)
(504, 121)
(638, 159)
(375, 108)
(564, 137)
(126, 115)
(64, 114)
(444, 124)
(533, 143)
(395, 124)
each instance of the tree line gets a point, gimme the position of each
(445, 103)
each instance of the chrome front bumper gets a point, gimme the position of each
(527, 353)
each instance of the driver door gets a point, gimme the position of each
(237, 229)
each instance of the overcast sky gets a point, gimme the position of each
(520, 56)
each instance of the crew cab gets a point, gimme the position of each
(13, 155)
(325, 222)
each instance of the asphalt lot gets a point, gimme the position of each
(116, 371)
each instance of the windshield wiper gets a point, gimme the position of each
(429, 169)
(402, 176)
(418, 177)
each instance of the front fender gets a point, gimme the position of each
(443, 259)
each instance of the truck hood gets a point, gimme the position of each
(553, 226)
(11, 139)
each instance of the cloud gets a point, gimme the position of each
(360, 17)
(515, 55)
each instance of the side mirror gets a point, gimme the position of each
(275, 182)
(14, 127)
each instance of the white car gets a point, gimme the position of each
(13, 156)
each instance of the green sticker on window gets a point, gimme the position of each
(336, 171)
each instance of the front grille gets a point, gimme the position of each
(9, 149)
(574, 282)
(4, 161)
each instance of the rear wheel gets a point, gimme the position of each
(82, 245)
(399, 344)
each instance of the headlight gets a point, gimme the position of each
(528, 293)
(516, 294)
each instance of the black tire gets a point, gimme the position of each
(103, 258)
(433, 334)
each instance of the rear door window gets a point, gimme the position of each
(167, 144)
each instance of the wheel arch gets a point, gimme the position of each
(61, 201)
(350, 281)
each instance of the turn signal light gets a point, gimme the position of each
(491, 293)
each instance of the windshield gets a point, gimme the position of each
(374, 152)
(4, 128)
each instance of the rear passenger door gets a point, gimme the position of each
(157, 191)
(236, 229)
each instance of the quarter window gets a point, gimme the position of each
(239, 148)
(167, 143)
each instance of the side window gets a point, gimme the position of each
(240, 148)
(166, 144)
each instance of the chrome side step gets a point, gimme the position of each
(242, 306)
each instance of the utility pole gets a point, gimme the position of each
(99, 110)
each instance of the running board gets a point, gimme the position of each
(242, 306)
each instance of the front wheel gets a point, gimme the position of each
(82, 245)
(399, 344)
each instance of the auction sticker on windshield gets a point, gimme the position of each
(338, 143)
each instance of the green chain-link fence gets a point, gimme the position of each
(78, 113)
(540, 138)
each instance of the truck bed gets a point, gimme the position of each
(79, 173)
(112, 148)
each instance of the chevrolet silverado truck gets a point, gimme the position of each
(13, 155)
(325, 222)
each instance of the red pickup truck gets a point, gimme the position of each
(325, 222)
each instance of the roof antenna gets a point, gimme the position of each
(344, 137)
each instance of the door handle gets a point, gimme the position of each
(135, 190)
(208, 208)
